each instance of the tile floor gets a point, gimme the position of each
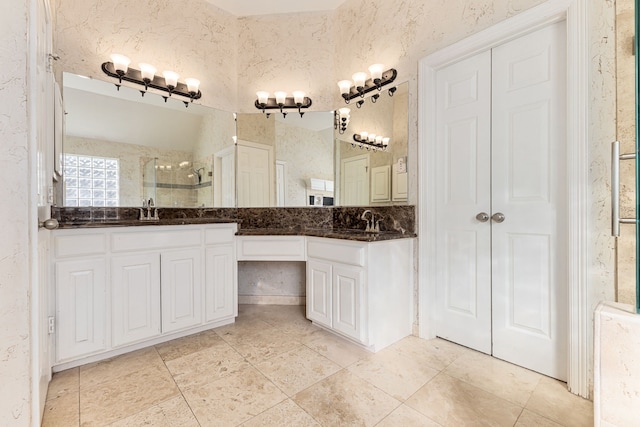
(273, 368)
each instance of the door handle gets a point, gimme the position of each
(498, 217)
(482, 217)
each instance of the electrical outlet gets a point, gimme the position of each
(52, 325)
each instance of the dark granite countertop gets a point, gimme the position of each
(396, 222)
(343, 234)
(96, 223)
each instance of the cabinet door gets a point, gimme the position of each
(81, 307)
(181, 289)
(220, 283)
(319, 292)
(135, 283)
(348, 316)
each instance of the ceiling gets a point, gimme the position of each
(262, 7)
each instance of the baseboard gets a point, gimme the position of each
(271, 300)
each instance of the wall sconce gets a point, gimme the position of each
(370, 141)
(341, 119)
(299, 100)
(361, 84)
(146, 76)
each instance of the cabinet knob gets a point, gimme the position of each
(49, 224)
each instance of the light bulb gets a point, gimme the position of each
(345, 86)
(344, 112)
(120, 63)
(170, 79)
(263, 97)
(379, 139)
(376, 71)
(363, 136)
(372, 137)
(192, 85)
(298, 96)
(148, 71)
(385, 141)
(359, 79)
(281, 96)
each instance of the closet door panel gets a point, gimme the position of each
(463, 191)
(528, 146)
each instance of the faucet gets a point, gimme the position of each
(150, 207)
(370, 223)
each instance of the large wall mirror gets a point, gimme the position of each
(121, 148)
(303, 161)
(365, 174)
(283, 160)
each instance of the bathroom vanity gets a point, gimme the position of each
(123, 288)
(122, 284)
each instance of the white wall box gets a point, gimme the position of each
(120, 289)
(362, 291)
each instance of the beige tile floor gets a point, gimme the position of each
(273, 368)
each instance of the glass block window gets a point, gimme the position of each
(91, 181)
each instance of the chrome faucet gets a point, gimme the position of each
(370, 223)
(150, 208)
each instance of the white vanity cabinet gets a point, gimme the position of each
(362, 291)
(135, 297)
(81, 307)
(123, 288)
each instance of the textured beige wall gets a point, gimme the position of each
(15, 194)
(190, 37)
(625, 63)
(287, 52)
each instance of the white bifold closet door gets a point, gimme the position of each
(501, 201)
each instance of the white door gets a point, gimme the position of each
(180, 280)
(225, 178)
(381, 184)
(220, 283)
(281, 183)
(354, 181)
(464, 190)
(135, 284)
(256, 180)
(41, 113)
(501, 128)
(319, 292)
(347, 301)
(528, 248)
(81, 308)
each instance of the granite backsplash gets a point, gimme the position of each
(392, 218)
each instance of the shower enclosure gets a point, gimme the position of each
(186, 184)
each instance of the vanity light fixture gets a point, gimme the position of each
(341, 119)
(119, 68)
(299, 100)
(362, 84)
(370, 141)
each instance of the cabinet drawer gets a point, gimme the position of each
(337, 251)
(214, 236)
(147, 240)
(271, 248)
(82, 244)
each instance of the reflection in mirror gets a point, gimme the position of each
(367, 176)
(285, 161)
(121, 148)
